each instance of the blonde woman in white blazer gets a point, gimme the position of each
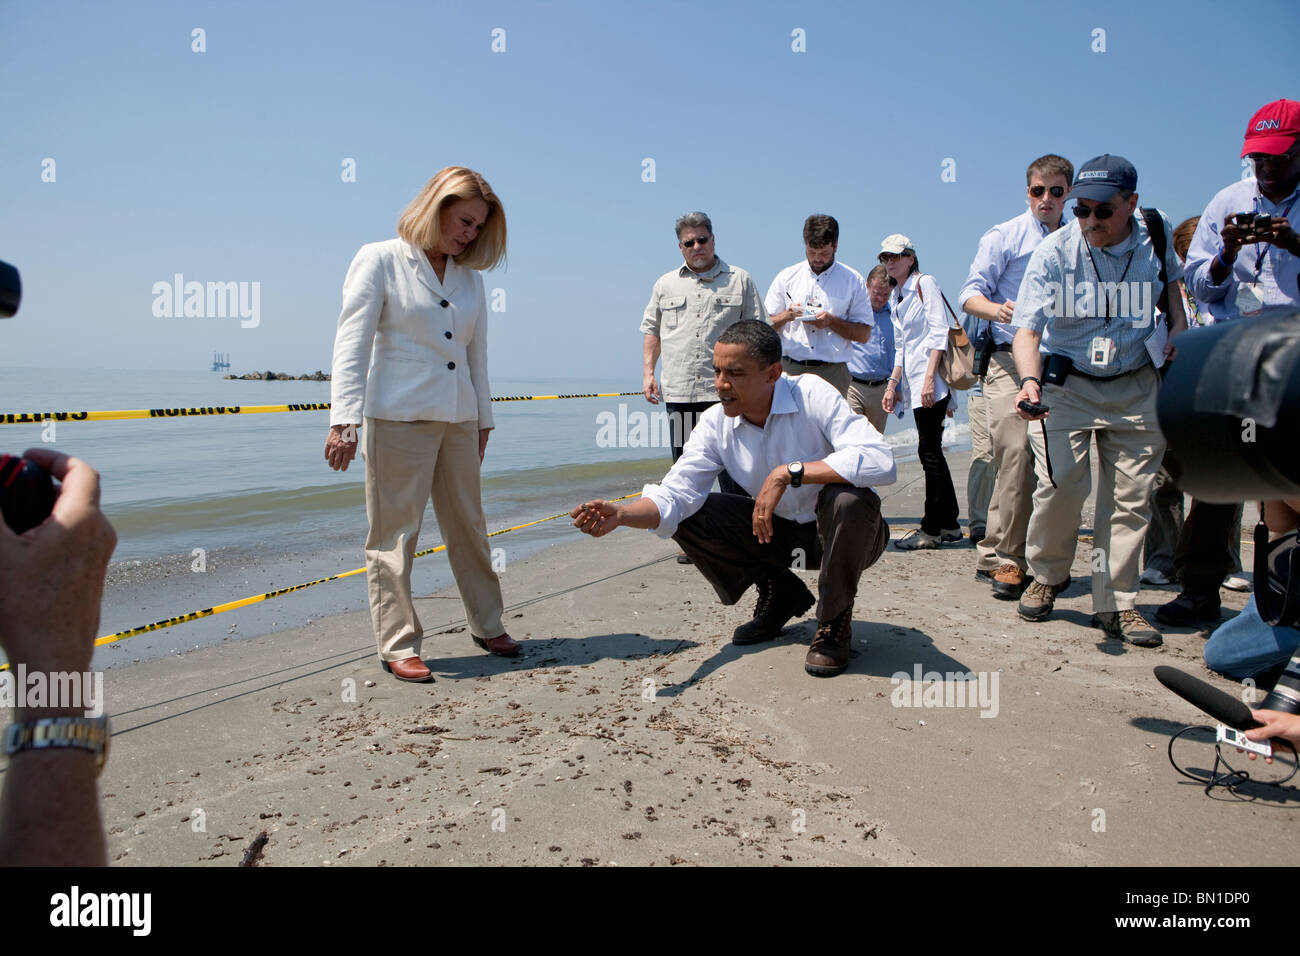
(920, 339)
(410, 371)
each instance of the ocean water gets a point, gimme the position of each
(213, 509)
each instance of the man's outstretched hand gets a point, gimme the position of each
(596, 518)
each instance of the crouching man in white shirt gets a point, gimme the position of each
(794, 444)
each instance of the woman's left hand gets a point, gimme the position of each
(927, 392)
(482, 443)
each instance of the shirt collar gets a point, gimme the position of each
(1277, 205)
(707, 275)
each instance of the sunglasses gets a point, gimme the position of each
(1102, 212)
(1056, 191)
(690, 243)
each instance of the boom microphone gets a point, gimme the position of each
(1208, 699)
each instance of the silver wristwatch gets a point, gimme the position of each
(82, 733)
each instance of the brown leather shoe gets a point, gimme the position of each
(503, 646)
(829, 654)
(1009, 582)
(409, 669)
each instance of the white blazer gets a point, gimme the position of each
(919, 329)
(410, 348)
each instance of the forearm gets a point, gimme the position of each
(820, 473)
(642, 513)
(853, 331)
(49, 813)
(1177, 314)
(1024, 349)
(980, 307)
(781, 319)
(650, 353)
(932, 367)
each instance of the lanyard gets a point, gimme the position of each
(1087, 245)
(1259, 258)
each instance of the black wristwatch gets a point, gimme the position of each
(1030, 378)
(795, 468)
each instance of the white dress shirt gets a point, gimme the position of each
(920, 327)
(410, 347)
(840, 290)
(809, 421)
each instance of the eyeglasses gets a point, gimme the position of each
(690, 243)
(1102, 212)
(1056, 191)
(889, 257)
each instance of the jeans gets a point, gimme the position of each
(1247, 647)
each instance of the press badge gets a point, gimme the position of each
(1249, 300)
(1103, 349)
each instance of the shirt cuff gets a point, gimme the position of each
(669, 517)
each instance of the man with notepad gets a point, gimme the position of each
(820, 307)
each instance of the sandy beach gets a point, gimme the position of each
(632, 732)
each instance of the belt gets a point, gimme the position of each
(1106, 378)
(814, 363)
(876, 384)
(1004, 347)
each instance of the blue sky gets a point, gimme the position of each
(226, 165)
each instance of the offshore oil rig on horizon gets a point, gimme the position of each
(220, 361)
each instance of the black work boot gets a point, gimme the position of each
(779, 600)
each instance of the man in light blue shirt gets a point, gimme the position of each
(1242, 272)
(990, 294)
(872, 362)
(1089, 298)
(1238, 272)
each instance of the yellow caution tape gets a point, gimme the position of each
(35, 418)
(244, 602)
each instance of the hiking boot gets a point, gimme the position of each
(1037, 601)
(917, 540)
(1009, 582)
(977, 534)
(829, 653)
(1188, 610)
(779, 599)
(1128, 626)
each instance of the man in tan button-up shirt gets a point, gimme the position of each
(689, 308)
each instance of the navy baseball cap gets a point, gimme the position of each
(1099, 179)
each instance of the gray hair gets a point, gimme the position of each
(693, 220)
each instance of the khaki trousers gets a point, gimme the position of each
(406, 462)
(981, 475)
(1013, 465)
(837, 373)
(1122, 416)
(865, 400)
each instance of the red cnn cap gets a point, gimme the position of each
(1273, 128)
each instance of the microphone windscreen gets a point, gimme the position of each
(1204, 697)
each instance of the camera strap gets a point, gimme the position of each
(1277, 585)
(1159, 243)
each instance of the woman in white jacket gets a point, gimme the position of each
(417, 305)
(920, 339)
